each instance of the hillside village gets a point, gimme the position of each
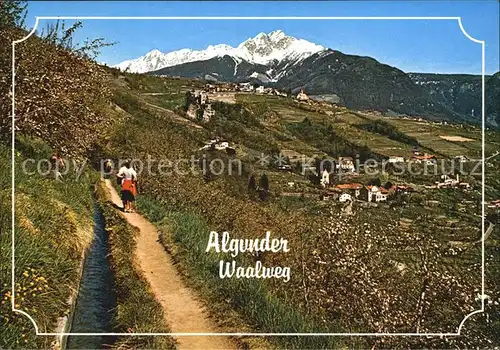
(344, 167)
(327, 188)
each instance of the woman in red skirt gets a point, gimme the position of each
(128, 178)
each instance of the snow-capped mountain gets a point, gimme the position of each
(263, 49)
(358, 82)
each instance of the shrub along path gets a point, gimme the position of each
(183, 312)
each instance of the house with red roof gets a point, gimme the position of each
(352, 188)
(374, 193)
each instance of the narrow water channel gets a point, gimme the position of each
(96, 301)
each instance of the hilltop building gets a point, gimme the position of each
(203, 98)
(346, 164)
(302, 96)
(248, 87)
(260, 90)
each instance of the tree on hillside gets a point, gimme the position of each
(264, 187)
(188, 99)
(12, 13)
(388, 185)
(252, 184)
(264, 182)
(375, 182)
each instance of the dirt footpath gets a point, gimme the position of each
(184, 313)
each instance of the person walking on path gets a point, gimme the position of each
(128, 180)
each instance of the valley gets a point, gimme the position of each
(432, 225)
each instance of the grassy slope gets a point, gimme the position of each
(426, 133)
(54, 219)
(53, 229)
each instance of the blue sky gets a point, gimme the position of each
(413, 46)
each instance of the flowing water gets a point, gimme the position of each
(96, 299)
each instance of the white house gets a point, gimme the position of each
(374, 194)
(203, 98)
(346, 164)
(302, 96)
(344, 197)
(246, 87)
(285, 167)
(208, 113)
(215, 144)
(220, 146)
(325, 178)
(260, 90)
(448, 181)
(396, 159)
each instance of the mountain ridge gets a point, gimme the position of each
(264, 48)
(358, 82)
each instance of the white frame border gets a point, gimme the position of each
(38, 18)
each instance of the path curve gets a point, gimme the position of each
(184, 313)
